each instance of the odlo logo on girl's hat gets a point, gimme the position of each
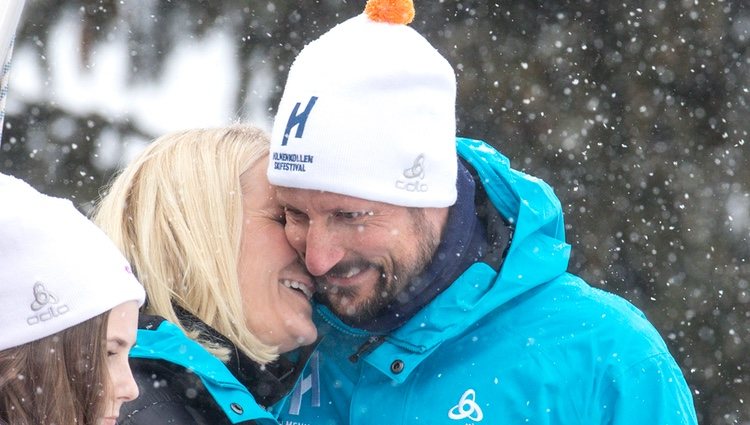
(368, 111)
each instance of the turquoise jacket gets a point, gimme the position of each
(530, 344)
(167, 344)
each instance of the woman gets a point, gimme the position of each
(68, 308)
(197, 218)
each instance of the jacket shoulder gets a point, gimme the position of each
(169, 394)
(182, 383)
(567, 310)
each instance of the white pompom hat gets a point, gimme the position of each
(368, 111)
(57, 269)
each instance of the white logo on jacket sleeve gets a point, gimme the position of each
(467, 408)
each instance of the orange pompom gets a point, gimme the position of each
(390, 11)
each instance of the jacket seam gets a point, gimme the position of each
(546, 352)
(662, 354)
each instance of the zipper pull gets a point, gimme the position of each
(372, 343)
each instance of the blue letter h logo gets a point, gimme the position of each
(298, 120)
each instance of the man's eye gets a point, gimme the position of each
(353, 215)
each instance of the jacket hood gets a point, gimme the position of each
(538, 252)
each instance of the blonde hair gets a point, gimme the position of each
(176, 213)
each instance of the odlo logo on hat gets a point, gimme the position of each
(45, 304)
(414, 177)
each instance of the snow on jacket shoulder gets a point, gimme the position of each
(181, 383)
(529, 343)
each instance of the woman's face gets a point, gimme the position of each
(276, 289)
(121, 330)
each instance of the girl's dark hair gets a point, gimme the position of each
(60, 379)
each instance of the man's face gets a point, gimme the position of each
(361, 253)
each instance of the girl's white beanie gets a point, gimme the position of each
(57, 269)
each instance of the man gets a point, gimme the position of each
(442, 283)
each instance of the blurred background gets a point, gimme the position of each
(637, 114)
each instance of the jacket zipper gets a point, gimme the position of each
(373, 341)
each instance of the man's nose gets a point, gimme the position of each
(323, 249)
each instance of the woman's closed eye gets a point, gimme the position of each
(117, 347)
(294, 215)
(279, 216)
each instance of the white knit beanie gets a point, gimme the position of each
(57, 269)
(368, 111)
